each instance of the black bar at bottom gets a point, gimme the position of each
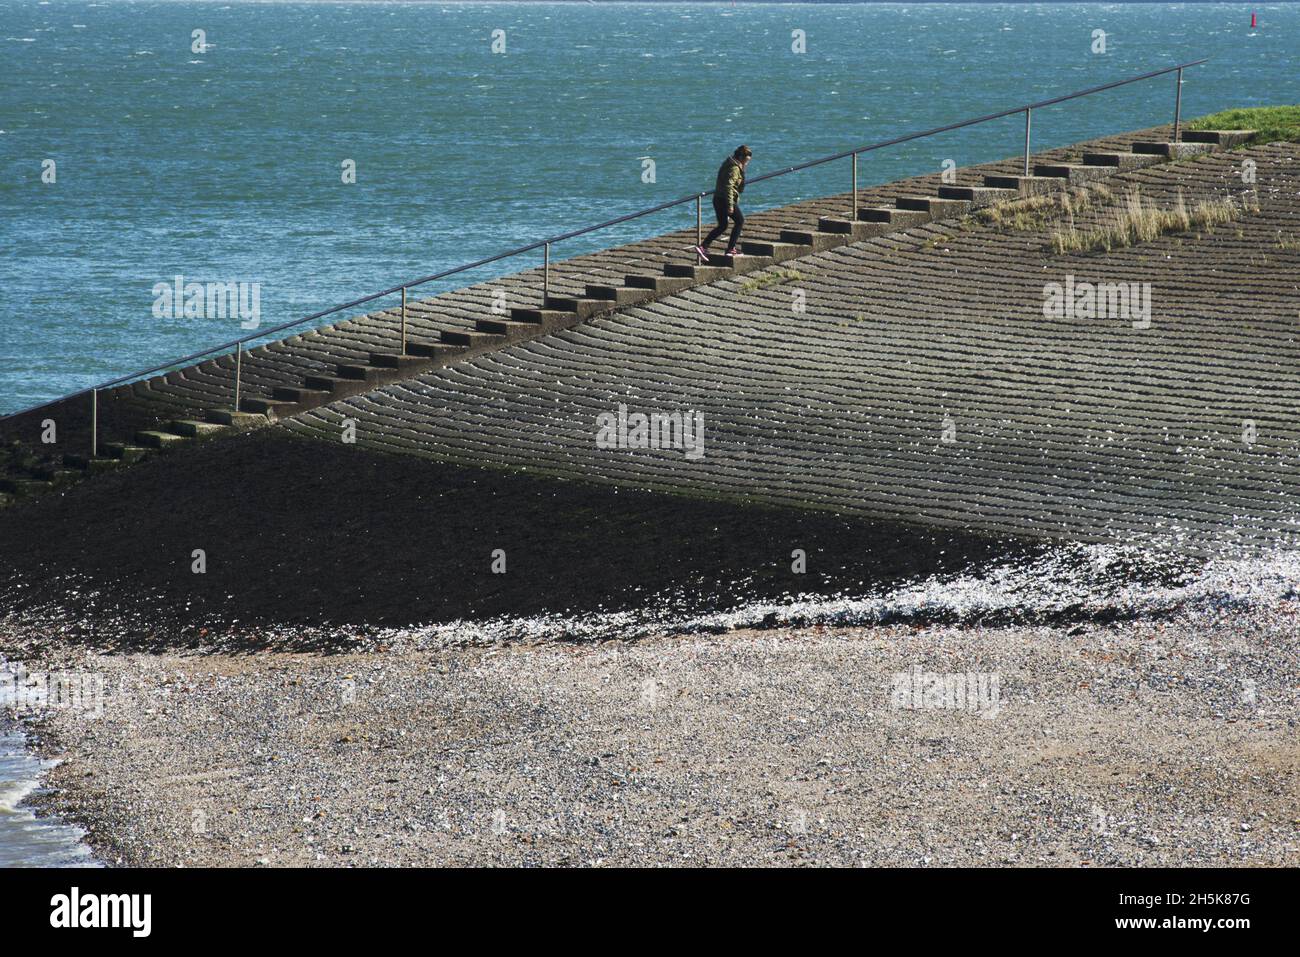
(966, 907)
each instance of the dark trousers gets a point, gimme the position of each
(737, 221)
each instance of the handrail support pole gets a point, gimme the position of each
(1178, 104)
(94, 423)
(239, 368)
(699, 218)
(853, 214)
(1028, 114)
(403, 320)
(546, 274)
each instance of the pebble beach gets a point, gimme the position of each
(1137, 744)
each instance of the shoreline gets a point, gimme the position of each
(1115, 745)
(30, 834)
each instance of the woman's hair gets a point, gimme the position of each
(743, 152)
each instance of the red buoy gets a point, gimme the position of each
(1252, 21)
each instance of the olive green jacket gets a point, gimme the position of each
(731, 182)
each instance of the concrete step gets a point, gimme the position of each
(271, 408)
(55, 475)
(240, 421)
(619, 295)
(24, 488)
(978, 195)
(1224, 138)
(96, 465)
(360, 372)
(813, 240)
(855, 229)
(407, 364)
(741, 262)
(472, 340)
(898, 218)
(777, 252)
(694, 271)
(1172, 150)
(439, 352)
(159, 440)
(541, 317)
(721, 261)
(509, 328)
(194, 429)
(1075, 174)
(301, 395)
(124, 452)
(334, 387)
(23, 460)
(744, 263)
(584, 308)
(940, 207)
(660, 285)
(1025, 185)
(1120, 160)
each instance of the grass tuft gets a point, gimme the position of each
(1036, 212)
(1032, 212)
(1139, 220)
(770, 278)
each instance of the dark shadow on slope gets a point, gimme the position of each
(302, 537)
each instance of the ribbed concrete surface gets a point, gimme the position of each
(1071, 427)
(188, 392)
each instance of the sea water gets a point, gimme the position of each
(25, 839)
(142, 141)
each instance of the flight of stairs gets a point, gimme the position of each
(562, 312)
(24, 475)
(21, 475)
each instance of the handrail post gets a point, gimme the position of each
(699, 218)
(403, 320)
(853, 214)
(546, 274)
(1028, 112)
(94, 423)
(239, 362)
(1178, 104)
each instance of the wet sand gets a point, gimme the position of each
(319, 544)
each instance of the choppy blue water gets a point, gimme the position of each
(226, 164)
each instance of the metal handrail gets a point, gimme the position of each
(545, 244)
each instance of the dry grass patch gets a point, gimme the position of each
(1036, 212)
(770, 278)
(1138, 219)
(1032, 212)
